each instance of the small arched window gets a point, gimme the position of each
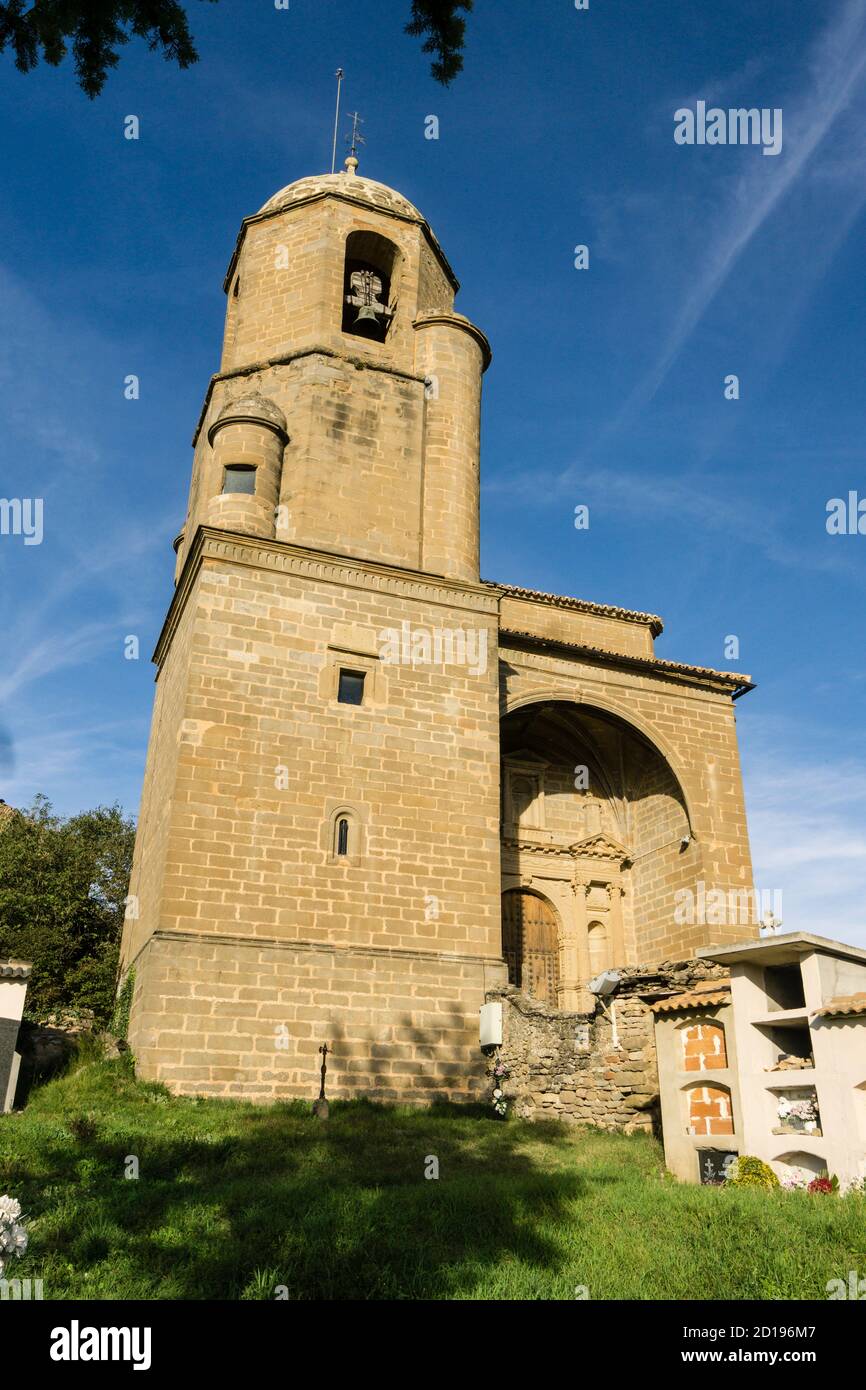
(344, 836)
(342, 845)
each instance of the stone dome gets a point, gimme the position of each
(253, 407)
(350, 185)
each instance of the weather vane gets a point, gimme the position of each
(356, 138)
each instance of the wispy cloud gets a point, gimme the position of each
(43, 377)
(731, 518)
(52, 653)
(807, 824)
(837, 70)
(75, 760)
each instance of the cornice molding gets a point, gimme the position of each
(450, 320)
(580, 605)
(534, 647)
(275, 943)
(533, 847)
(601, 847)
(213, 544)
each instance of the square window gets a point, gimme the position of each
(240, 477)
(351, 688)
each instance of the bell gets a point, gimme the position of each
(366, 313)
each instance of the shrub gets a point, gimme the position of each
(748, 1171)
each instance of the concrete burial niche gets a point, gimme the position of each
(14, 975)
(698, 1081)
(799, 1024)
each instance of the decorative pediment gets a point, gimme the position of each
(601, 847)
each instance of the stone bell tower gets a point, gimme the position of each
(341, 316)
(318, 847)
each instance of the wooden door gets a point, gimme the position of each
(529, 944)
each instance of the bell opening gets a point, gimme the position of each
(366, 311)
(370, 267)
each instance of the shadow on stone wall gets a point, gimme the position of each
(406, 1060)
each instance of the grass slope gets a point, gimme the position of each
(234, 1199)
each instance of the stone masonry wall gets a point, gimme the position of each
(245, 1019)
(567, 1066)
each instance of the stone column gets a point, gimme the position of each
(579, 997)
(569, 959)
(615, 892)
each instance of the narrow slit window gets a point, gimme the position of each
(351, 688)
(240, 477)
(342, 836)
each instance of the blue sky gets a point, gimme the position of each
(607, 385)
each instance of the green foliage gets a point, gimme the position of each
(45, 30)
(94, 32)
(445, 32)
(234, 1199)
(123, 1004)
(262, 1286)
(63, 885)
(748, 1171)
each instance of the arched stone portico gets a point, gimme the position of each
(595, 820)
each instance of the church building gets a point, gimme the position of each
(378, 786)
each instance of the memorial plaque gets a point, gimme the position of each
(713, 1164)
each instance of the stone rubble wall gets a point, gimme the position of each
(566, 1066)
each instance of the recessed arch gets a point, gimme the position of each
(799, 1164)
(599, 945)
(708, 1108)
(615, 710)
(703, 1044)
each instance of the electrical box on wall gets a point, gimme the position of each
(490, 1025)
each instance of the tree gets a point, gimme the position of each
(445, 30)
(96, 29)
(95, 32)
(63, 886)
